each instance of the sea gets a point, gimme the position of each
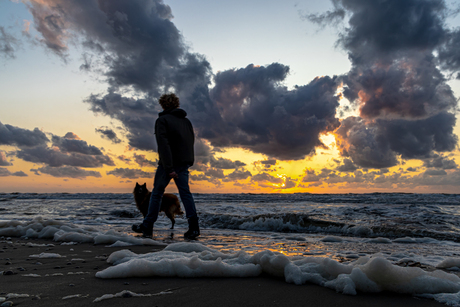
(398, 242)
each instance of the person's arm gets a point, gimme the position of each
(164, 149)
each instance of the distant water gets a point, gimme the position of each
(336, 225)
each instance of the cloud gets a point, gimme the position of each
(393, 25)
(347, 166)
(377, 144)
(15, 136)
(238, 174)
(55, 158)
(69, 150)
(222, 163)
(8, 44)
(448, 53)
(406, 108)
(330, 17)
(66, 171)
(130, 173)
(311, 176)
(142, 161)
(5, 172)
(259, 114)
(137, 115)
(266, 178)
(124, 159)
(408, 86)
(268, 163)
(396, 49)
(435, 172)
(440, 162)
(108, 134)
(71, 143)
(3, 161)
(144, 53)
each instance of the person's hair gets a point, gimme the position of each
(169, 101)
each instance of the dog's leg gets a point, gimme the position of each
(171, 217)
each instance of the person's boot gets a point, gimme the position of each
(193, 229)
(141, 228)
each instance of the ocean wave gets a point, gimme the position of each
(301, 223)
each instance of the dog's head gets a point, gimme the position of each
(140, 190)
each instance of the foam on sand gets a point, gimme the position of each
(367, 274)
(64, 232)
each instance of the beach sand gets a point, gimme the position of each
(48, 281)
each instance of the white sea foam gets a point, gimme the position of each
(16, 295)
(46, 255)
(67, 233)
(367, 274)
(127, 293)
(449, 263)
(73, 296)
(32, 275)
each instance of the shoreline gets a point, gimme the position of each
(47, 281)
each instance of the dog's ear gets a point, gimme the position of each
(145, 184)
(137, 184)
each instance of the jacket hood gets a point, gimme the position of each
(176, 112)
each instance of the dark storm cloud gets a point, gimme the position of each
(440, 162)
(261, 115)
(130, 173)
(11, 135)
(142, 51)
(66, 172)
(142, 161)
(124, 159)
(266, 178)
(138, 49)
(108, 134)
(222, 163)
(8, 44)
(347, 166)
(380, 27)
(3, 161)
(203, 152)
(137, 115)
(239, 174)
(268, 163)
(55, 158)
(377, 145)
(406, 106)
(5, 172)
(435, 172)
(448, 53)
(363, 144)
(70, 144)
(394, 79)
(135, 40)
(411, 86)
(311, 176)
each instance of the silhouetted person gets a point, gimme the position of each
(175, 138)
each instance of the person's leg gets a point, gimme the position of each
(188, 201)
(184, 191)
(160, 183)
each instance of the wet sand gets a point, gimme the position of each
(70, 281)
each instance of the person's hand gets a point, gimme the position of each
(173, 175)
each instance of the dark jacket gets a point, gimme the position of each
(175, 139)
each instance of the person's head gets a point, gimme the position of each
(169, 101)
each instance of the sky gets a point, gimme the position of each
(341, 96)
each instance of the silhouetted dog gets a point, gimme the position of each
(170, 204)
